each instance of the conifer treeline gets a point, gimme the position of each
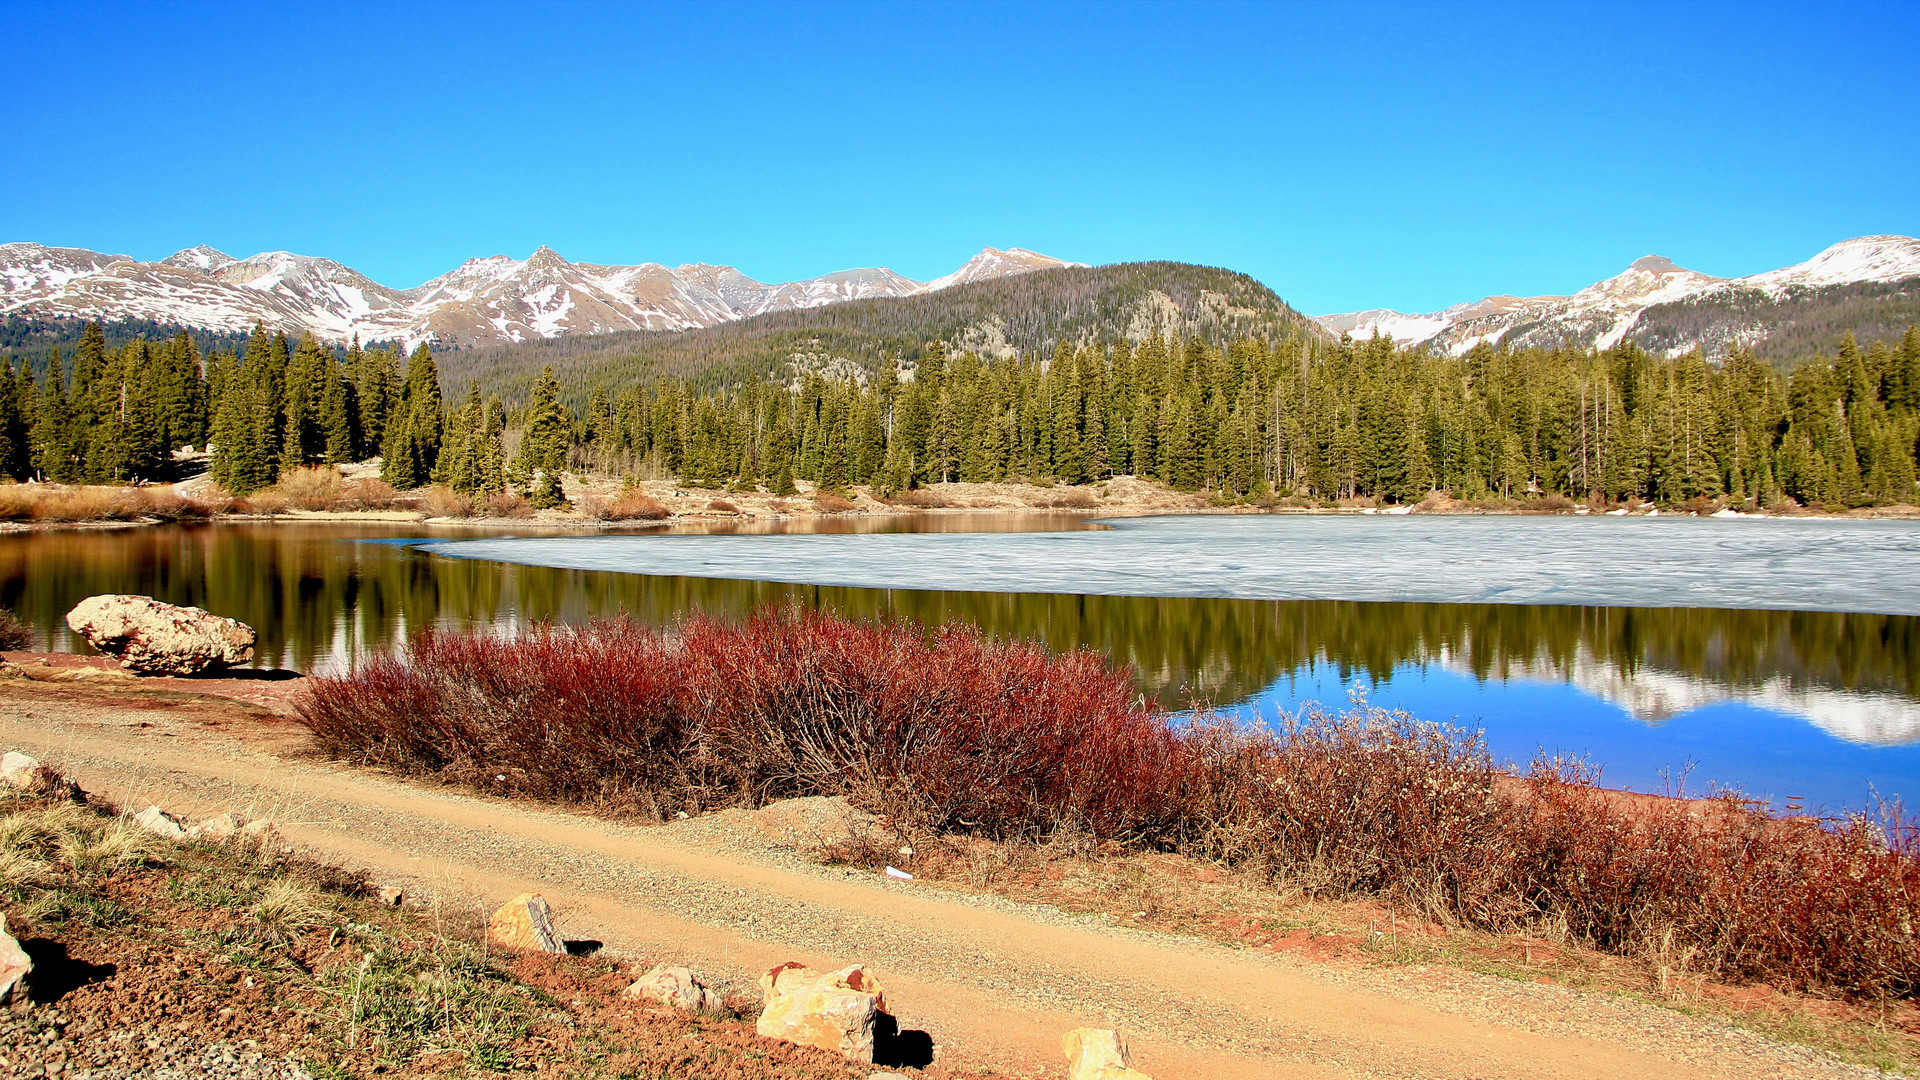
(117, 416)
(1316, 419)
(1290, 416)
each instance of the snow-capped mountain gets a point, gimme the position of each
(1660, 306)
(483, 301)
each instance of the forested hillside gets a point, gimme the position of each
(1028, 314)
(1292, 415)
(1782, 329)
(32, 341)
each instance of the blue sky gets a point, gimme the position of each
(1349, 156)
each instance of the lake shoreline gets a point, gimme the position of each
(1120, 497)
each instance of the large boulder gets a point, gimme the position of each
(834, 1012)
(160, 639)
(675, 987)
(525, 922)
(15, 964)
(1098, 1054)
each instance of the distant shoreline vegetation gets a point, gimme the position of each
(1246, 419)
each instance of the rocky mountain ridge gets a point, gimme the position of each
(492, 300)
(1666, 308)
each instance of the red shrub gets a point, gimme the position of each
(953, 732)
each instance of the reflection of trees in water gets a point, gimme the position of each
(315, 596)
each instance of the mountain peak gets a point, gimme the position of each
(200, 257)
(1656, 264)
(995, 263)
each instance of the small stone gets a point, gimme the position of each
(160, 823)
(15, 965)
(834, 1012)
(677, 987)
(525, 922)
(1098, 1054)
(389, 896)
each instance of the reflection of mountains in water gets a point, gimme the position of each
(1654, 696)
(317, 598)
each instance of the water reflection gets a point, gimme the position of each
(320, 594)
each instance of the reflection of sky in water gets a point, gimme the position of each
(1761, 751)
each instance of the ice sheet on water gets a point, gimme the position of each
(1817, 565)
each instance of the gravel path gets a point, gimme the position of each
(991, 980)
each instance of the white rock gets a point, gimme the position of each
(677, 987)
(15, 965)
(158, 638)
(160, 823)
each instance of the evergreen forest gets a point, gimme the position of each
(1244, 417)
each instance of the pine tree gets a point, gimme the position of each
(543, 445)
(48, 438)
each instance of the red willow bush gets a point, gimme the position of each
(951, 732)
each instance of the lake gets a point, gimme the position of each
(1778, 657)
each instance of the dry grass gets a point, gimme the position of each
(442, 501)
(508, 504)
(323, 488)
(14, 634)
(923, 499)
(826, 502)
(61, 503)
(634, 505)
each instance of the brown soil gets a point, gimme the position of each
(994, 982)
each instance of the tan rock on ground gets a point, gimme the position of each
(676, 987)
(1098, 1054)
(157, 638)
(834, 1012)
(15, 965)
(525, 922)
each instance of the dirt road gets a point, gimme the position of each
(991, 981)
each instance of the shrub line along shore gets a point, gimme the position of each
(353, 493)
(948, 734)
